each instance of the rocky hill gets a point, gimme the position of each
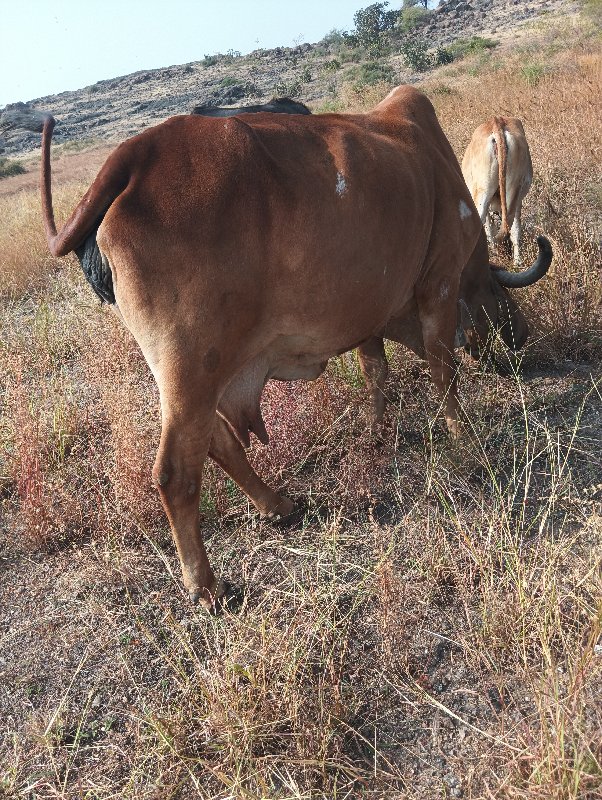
(119, 107)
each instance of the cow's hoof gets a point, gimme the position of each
(226, 596)
(231, 599)
(292, 519)
(286, 514)
(283, 509)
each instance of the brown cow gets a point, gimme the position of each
(248, 248)
(497, 170)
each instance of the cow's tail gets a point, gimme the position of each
(79, 232)
(502, 159)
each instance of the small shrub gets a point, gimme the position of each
(210, 61)
(352, 54)
(441, 56)
(229, 81)
(440, 89)
(9, 168)
(469, 47)
(335, 37)
(252, 90)
(415, 54)
(292, 89)
(351, 40)
(331, 66)
(305, 76)
(374, 72)
(229, 56)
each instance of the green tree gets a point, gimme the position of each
(370, 22)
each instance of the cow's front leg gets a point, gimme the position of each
(227, 451)
(374, 366)
(438, 319)
(186, 431)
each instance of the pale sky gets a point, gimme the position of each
(50, 46)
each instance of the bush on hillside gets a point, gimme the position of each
(411, 17)
(288, 89)
(416, 55)
(9, 168)
(374, 72)
(335, 37)
(469, 47)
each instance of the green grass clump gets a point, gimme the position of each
(533, 72)
(370, 74)
(470, 47)
(9, 168)
(229, 81)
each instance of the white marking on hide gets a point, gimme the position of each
(465, 211)
(444, 290)
(341, 186)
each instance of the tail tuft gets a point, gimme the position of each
(96, 267)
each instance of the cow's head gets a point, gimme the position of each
(485, 305)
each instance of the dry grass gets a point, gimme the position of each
(432, 629)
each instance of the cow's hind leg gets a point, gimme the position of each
(438, 321)
(187, 427)
(374, 366)
(515, 236)
(482, 201)
(488, 225)
(226, 450)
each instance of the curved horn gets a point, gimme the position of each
(519, 280)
